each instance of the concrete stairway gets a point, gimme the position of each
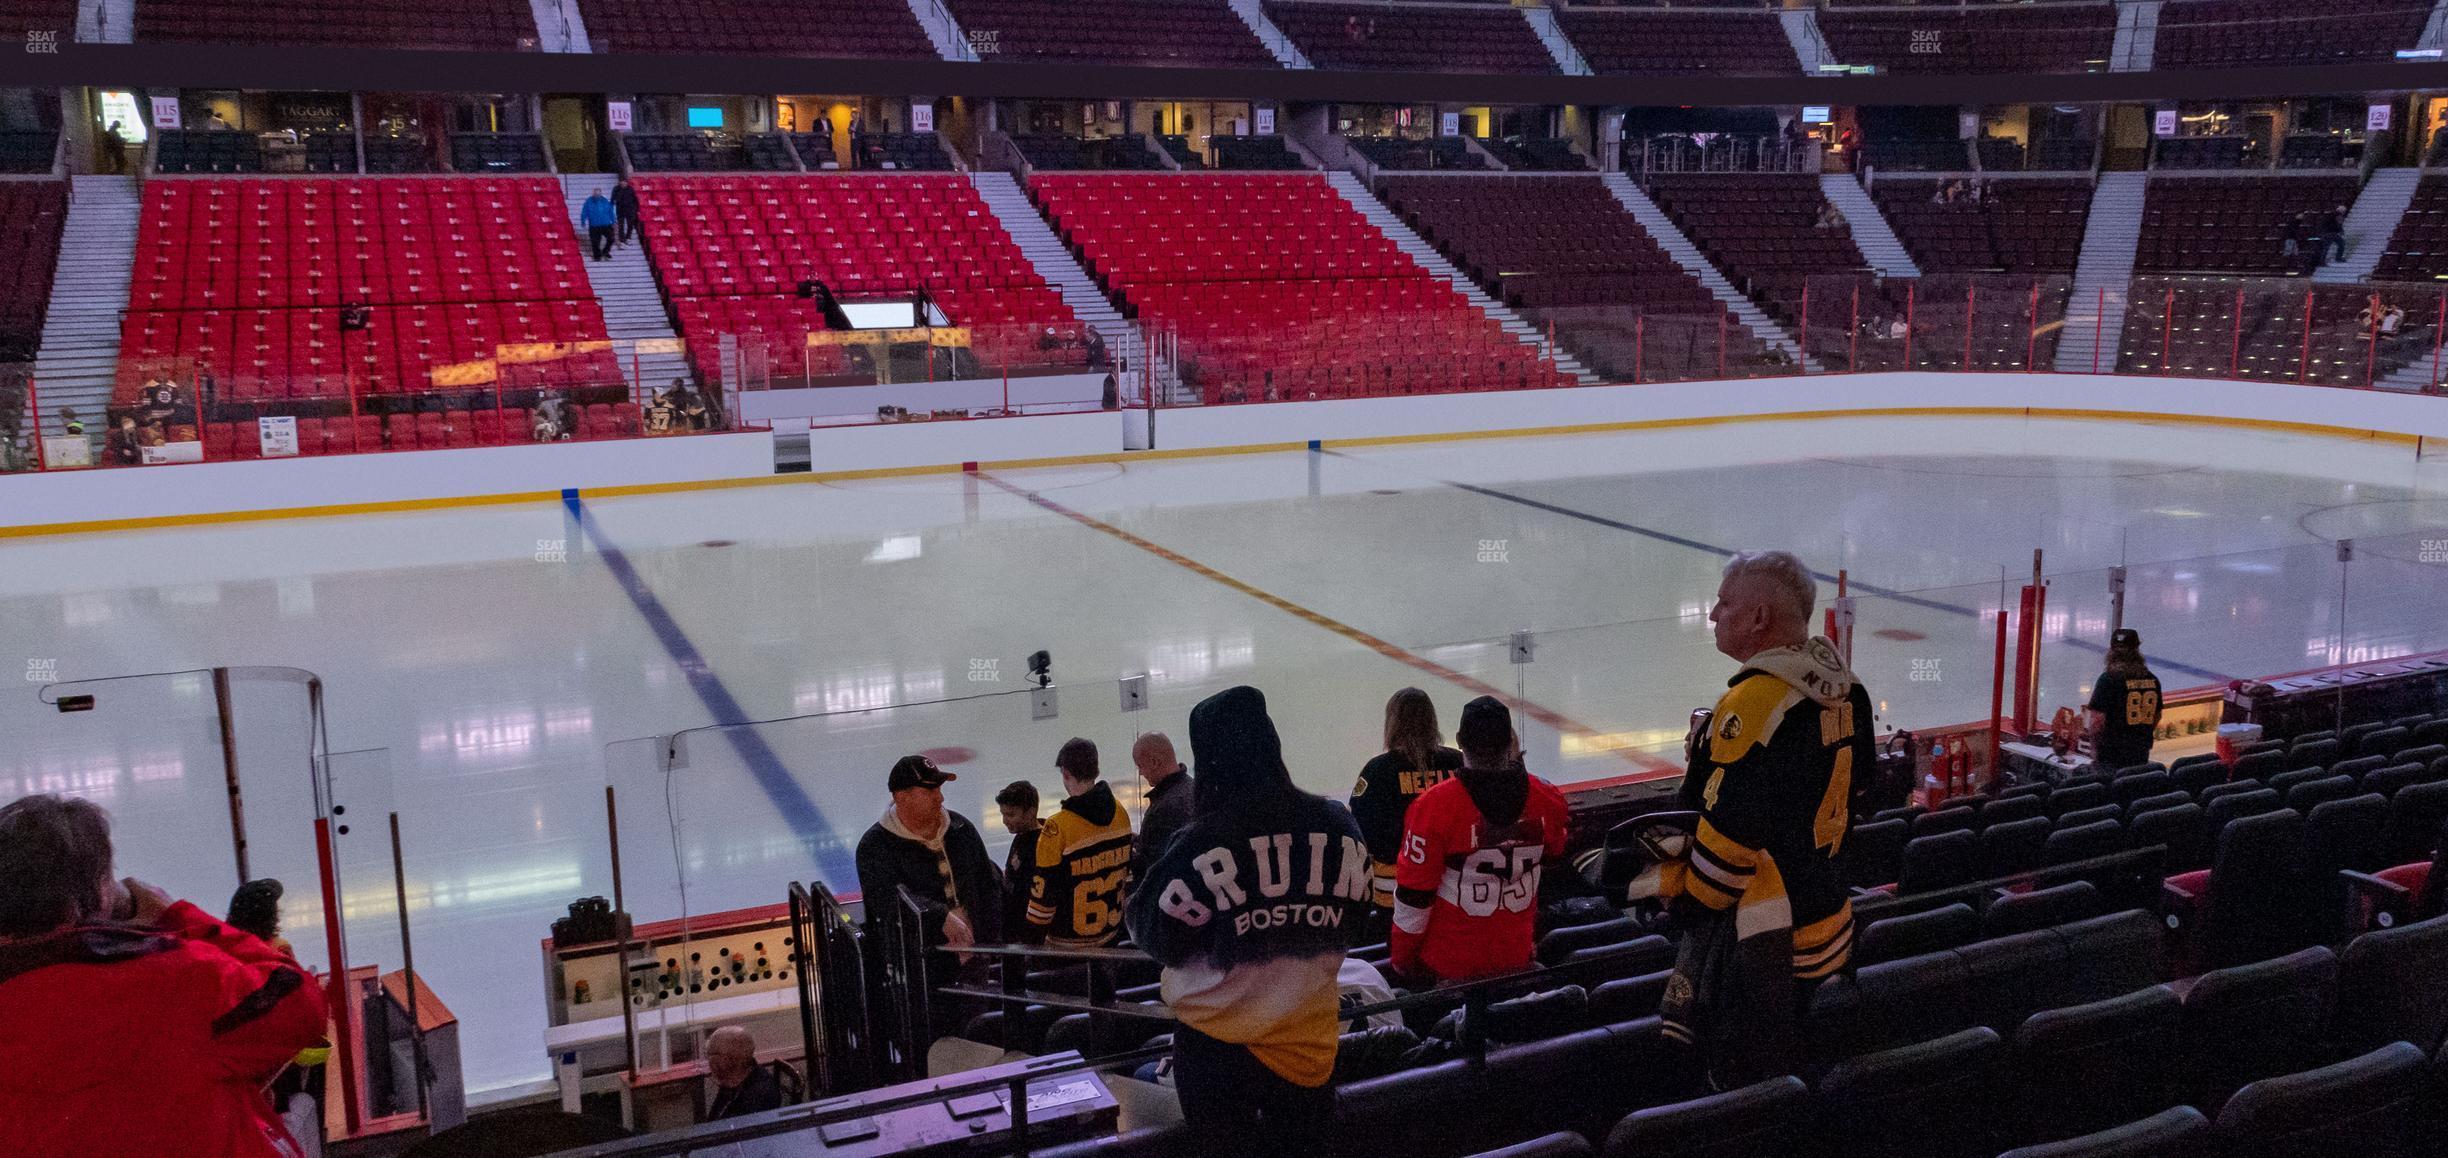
(632, 303)
(942, 30)
(1045, 250)
(1279, 45)
(2435, 29)
(106, 22)
(1357, 193)
(559, 26)
(2105, 272)
(1872, 235)
(1802, 32)
(1567, 57)
(2137, 36)
(78, 361)
(1670, 238)
(2377, 209)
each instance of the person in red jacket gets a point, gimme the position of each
(129, 1023)
(1467, 880)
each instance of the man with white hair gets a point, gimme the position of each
(741, 1086)
(1771, 775)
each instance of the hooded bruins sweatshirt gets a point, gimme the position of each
(1083, 858)
(1251, 907)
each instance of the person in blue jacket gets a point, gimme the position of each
(1250, 908)
(598, 217)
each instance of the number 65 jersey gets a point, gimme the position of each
(1467, 879)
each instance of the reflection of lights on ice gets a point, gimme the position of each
(896, 549)
(1601, 743)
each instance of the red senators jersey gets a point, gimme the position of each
(1467, 880)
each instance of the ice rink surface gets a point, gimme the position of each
(489, 670)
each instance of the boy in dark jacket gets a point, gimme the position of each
(1250, 910)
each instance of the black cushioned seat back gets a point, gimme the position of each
(2178, 1133)
(2370, 1106)
(1561, 1144)
(2074, 798)
(2416, 815)
(1894, 938)
(1889, 1004)
(1873, 853)
(1939, 862)
(2128, 789)
(1931, 1099)
(2249, 1022)
(2111, 811)
(2304, 797)
(2104, 837)
(2184, 830)
(1757, 1121)
(2042, 908)
(2314, 753)
(2257, 906)
(2393, 986)
(1554, 946)
(2007, 809)
(2090, 1067)
(2015, 846)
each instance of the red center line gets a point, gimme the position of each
(1655, 767)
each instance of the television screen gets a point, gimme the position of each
(705, 118)
(880, 315)
(1814, 114)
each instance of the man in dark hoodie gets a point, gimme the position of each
(1083, 858)
(1466, 883)
(1250, 910)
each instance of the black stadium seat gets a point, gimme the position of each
(2285, 782)
(1561, 1144)
(2089, 1067)
(2169, 799)
(2128, 789)
(2075, 797)
(1930, 1099)
(2393, 986)
(2304, 797)
(2416, 814)
(2366, 1107)
(2178, 1133)
(2111, 812)
(1763, 1120)
(1628, 998)
(2084, 842)
(1873, 853)
(2384, 742)
(2315, 754)
(2183, 829)
(2254, 1021)
(2011, 808)
(1945, 820)
(2015, 846)
(2249, 904)
(1894, 938)
(1556, 945)
(1939, 862)
(2041, 908)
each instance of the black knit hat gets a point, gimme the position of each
(1487, 726)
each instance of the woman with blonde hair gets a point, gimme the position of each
(1415, 760)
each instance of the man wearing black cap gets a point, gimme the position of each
(937, 855)
(2124, 705)
(1250, 909)
(1466, 882)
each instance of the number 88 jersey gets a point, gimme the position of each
(1467, 879)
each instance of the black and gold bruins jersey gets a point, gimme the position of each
(1083, 860)
(1773, 784)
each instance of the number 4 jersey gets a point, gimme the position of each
(1466, 882)
(1083, 857)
